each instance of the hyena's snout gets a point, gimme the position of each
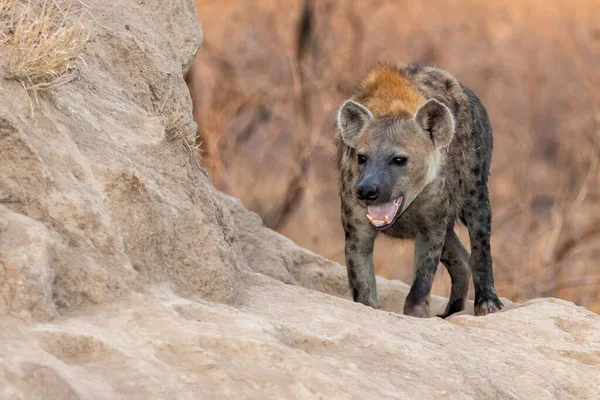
(368, 190)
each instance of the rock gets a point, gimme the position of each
(90, 164)
(26, 266)
(285, 341)
(35, 381)
(125, 274)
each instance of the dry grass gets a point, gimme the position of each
(178, 130)
(45, 39)
(177, 127)
(7, 20)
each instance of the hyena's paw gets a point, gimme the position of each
(420, 310)
(488, 304)
(454, 306)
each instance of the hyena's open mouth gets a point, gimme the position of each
(384, 214)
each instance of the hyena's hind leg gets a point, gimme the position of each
(479, 220)
(456, 260)
(476, 212)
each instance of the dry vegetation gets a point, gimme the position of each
(177, 127)
(267, 83)
(45, 39)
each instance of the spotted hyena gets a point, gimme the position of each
(414, 153)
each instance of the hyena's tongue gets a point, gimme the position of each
(383, 214)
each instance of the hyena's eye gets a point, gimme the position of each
(361, 159)
(400, 161)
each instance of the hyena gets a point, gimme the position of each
(414, 153)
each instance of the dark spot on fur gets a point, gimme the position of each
(413, 69)
(476, 171)
(472, 192)
(345, 209)
(455, 107)
(350, 230)
(355, 293)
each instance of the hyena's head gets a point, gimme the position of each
(395, 157)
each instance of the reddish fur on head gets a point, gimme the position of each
(386, 92)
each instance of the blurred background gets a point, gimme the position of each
(271, 74)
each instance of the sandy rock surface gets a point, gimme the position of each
(124, 274)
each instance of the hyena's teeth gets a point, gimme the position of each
(386, 219)
(370, 218)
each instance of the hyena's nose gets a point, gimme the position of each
(367, 192)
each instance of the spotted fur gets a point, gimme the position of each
(448, 177)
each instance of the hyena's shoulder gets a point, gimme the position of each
(469, 153)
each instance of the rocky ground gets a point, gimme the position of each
(125, 274)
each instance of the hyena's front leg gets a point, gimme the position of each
(360, 240)
(428, 250)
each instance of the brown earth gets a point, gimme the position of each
(125, 274)
(266, 88)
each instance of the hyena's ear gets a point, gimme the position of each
(352, 118)
(436, 119)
